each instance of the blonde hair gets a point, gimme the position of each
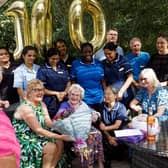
(151, 75)
(32, 85)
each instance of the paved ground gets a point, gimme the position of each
(114, 164)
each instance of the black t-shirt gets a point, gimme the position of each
(7, 92)
(159, 63)
(68, 62)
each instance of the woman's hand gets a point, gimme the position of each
(102, 126)
(95, 116)
(66, 138)
(112, 141)
(120, 95)
(4, 104)
(60, 95)
(136, 108)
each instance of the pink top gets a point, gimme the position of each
(8, 141)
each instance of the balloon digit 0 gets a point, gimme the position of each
(76, 26)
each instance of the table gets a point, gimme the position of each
(146, 155)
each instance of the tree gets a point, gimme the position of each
(144, 19)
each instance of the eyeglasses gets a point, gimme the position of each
(143, 79)
(38, 89)
(112, 34)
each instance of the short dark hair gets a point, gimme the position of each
(165, 36)
(50, 52)
(110, 45)
(25, 50)
(113, 28)
(59, 41)
(5, 48)
(83, 45)
(28, 48)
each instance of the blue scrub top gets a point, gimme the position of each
(138, 62)
(116, 74)
(89, 76)
(54, 79)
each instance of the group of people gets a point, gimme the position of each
(107, 82)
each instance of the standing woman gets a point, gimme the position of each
(26, 71)
(65, 57)
(7, 92)
(117, 72)
(159, 61)
(89, 73)
(55, 77)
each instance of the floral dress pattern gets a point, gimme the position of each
(31, 143)
(158, 98)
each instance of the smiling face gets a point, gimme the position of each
(75, 96)
(29, 57)
(162, 45)
(110, 54)
(53, 60)
(62, 48)
(135, 46)
(37, 93)
(87, 54)
(145, 81)
(4, 56)
(109, 96)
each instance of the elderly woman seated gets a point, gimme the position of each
(9, 146)
(39, 147)
(151, 95)
(74, 117)
(114, 117)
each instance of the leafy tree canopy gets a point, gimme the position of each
(143, 19)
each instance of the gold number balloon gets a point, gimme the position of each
(41, 24)
(21, 25)
(76, 10)
(2, 2)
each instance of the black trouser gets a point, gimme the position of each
(114, 152)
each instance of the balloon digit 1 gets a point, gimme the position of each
(21, 24)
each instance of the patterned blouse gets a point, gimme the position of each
(158, 98)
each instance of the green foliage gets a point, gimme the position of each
(141, 18)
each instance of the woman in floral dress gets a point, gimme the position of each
(39, 146)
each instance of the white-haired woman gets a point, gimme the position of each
(80, 121)
(151, 95)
